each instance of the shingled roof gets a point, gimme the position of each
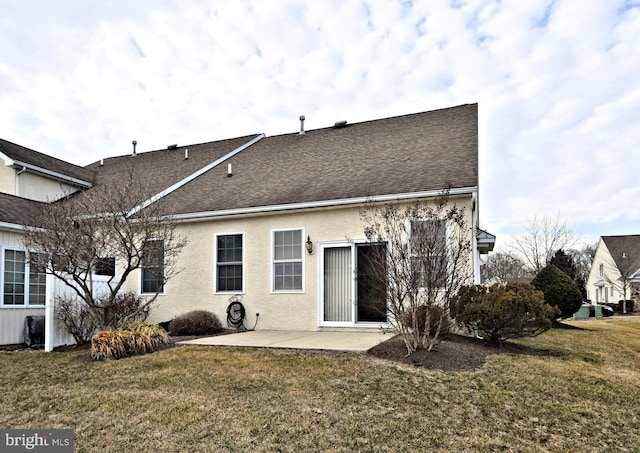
(628, 245)
(19, 211)
(161, 169)
(406, 154)
(21, 155)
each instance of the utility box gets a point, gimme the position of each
(34, 331)
(582, 313)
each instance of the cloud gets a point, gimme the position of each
(556, 84)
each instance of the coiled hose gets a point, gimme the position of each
(236, 314)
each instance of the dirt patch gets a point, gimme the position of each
(454, 353)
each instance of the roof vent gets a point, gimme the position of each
(186, 154)
(173, 146)
(302, 118)
(229, 171)
(134, 143)
(340, 124)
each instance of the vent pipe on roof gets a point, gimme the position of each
(229, 171)
(134, 143)
(101, 162)
(340, 124)
(186, 154)
(302, 118)
(172, 146)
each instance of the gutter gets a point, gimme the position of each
(12, 226)
(78, 182)
(320, 204)
(193, 176)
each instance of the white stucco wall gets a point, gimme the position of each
(193, 288)
(40, 188)
(7, 179)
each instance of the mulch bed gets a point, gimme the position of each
(453, 353)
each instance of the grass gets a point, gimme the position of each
(223, 399)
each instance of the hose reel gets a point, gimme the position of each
(236, 314)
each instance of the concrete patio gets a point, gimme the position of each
(352, 341)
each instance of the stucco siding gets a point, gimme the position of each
(40, 188)
(7, 179)
(194, 287)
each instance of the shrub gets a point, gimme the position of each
(137, 338)
(125, 308)
(197, 322)
(77, 319)
(435, 312)
(502, 312)
(559, 290)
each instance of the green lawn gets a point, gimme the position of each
(220, 399)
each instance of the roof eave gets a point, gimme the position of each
(320, 204)
(53, 174)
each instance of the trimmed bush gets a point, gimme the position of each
(559, 290)
(197, 322)
(501, 312)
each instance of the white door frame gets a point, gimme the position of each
(354, 286)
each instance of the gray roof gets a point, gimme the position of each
(19, 211)
(417, 153)
(627, 246)
(160, 169)
(34, 158)
(414, 153)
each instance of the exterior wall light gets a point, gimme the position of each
(309, 245)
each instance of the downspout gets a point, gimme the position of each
(474, 237)
(18, 180)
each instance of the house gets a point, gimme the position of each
(275, 220)
(615, 272)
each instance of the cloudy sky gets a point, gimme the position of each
(556, 83)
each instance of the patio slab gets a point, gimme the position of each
(296, 339)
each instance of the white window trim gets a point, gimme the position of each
(164, 269)
(27, 270)
(303, 253)
(215, 263)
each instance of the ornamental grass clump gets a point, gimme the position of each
(135, 339)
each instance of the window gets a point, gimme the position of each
(153, 266)
(287, 260)
(428, 251)
(106, 266)
(601, 269)
(23, 284)
(229, 262)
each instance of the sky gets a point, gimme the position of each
(556, 82)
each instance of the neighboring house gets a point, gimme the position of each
(615, 272)
(27, 180)
(275, 220)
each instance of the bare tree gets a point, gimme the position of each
(101, 230)
(544, 236)
(425, 262)
(505, 266)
